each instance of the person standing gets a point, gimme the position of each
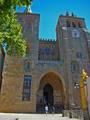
(53, 109)
(46, 109)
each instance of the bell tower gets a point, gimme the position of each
(72, 41)
(30, 26)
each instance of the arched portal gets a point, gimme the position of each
(48, 94)
(51, 91)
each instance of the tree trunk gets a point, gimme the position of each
(2, 57)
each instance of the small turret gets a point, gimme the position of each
(73, 14)
(67, 13)
(28, 9)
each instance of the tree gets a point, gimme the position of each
(10, 29)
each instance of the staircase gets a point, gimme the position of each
(14, 116)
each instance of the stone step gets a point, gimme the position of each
(14, 116)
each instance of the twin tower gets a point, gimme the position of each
(51, 68)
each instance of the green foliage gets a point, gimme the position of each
(10, 29)
(9, 3)
(24, 2)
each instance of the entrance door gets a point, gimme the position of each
(48, 94)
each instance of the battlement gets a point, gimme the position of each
(46, 40)
(48, 49)
(72, 15)
(71, 21)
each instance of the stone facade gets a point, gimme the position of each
(51, 67)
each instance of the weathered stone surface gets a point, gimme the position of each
(9, 116)
(57, 73)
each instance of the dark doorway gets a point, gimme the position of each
(48, 94)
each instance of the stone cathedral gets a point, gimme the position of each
(51, 68)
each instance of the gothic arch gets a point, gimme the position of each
(68, 24)
(55, 80)
(57, 74)
(74, 66)
(73, 24)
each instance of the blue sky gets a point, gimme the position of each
(50, 10)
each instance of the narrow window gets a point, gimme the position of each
(79, 25)
(79, 55)
(73, 24)
(26, 88)
(68, 24)
(74, 66)
(26, 66)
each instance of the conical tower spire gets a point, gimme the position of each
(28, 9)
(67, 13)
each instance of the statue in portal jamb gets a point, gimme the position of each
(84, 75)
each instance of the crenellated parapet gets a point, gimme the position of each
(48, 49)
(47, 40)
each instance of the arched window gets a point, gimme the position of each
(74, 66)
(68, 24)
(79, 55)
(26, 88)
(28, 50)
(79, 25)
(26, 66)
(73, 24)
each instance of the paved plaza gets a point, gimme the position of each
(12, 116)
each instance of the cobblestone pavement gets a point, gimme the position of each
(12, 116)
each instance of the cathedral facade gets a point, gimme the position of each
(51, 68)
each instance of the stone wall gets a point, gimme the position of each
(45, 71)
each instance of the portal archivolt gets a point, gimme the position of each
(51, 90)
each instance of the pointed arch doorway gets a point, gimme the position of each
(51, 91)
(48, 94)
